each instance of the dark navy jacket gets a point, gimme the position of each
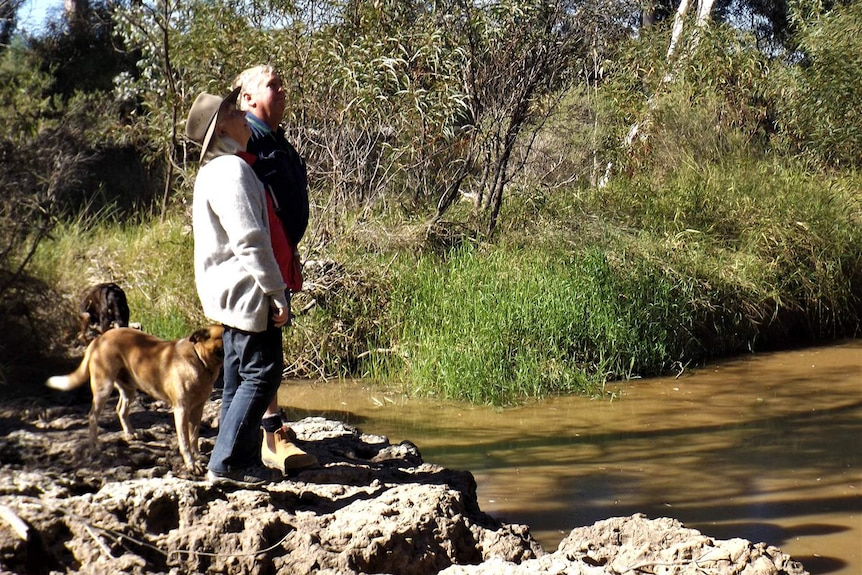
(280, 167)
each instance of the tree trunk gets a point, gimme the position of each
(704, 8)
(451, 193)
(167, 12)
(76, 14)
(640, 128)
(647, 13)
(678, 21)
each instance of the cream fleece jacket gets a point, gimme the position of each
(238, 279)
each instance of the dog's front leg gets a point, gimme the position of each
(181, 421)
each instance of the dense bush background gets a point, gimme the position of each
(510, 199)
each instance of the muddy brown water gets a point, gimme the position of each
(766, 447)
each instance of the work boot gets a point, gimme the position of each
(248, 478)
(286, 456)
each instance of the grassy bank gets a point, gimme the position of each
(637, 279)
(517, 323)
(152, 261)
(582, 286)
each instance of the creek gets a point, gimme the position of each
(767, 447)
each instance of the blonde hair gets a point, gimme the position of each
(250, 80)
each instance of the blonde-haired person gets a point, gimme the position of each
(284, 175)
(239, 283)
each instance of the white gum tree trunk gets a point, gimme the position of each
(639, 130)
(676, 32)
(704, 7)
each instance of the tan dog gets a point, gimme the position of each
(180, 372)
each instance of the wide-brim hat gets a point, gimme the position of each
(203, 117)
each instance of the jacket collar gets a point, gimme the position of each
(258, 127)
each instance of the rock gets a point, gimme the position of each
(371, 507)
(636, 544)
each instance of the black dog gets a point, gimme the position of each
(102, 307)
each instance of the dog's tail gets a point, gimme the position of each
(75, 379)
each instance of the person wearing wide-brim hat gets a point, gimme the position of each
(239, 283)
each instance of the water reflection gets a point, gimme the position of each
(766, 448)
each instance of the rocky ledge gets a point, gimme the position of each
(371, 507)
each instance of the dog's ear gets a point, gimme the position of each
(199, 335)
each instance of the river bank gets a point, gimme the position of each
(372, 507)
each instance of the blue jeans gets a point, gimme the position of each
(253, 364)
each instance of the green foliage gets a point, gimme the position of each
(392, 103)
(69, 150)
(508, 325)
(85, 57)
(24, 102)
(821, 104)
(384, 121)
(152, 262)
(365, 107)
(519, 57)
(778, 248)
(46, 147)
(717, 99)
(727, 74)
(724, 94)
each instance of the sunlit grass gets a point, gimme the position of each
(152, 262)
(505, 326)
(580, 287)
(768, 239)
(638, 279)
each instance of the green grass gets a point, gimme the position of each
(637, 279)
(505, 326)
(768, 239)
(151, 261)
(582, 286)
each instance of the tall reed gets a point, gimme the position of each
(504, 326)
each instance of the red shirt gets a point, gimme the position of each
(285, 252)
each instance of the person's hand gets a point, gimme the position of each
(280, 316)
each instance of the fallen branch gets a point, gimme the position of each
(696, 562)
(99, 543)
(306, 308)
(368, 352)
